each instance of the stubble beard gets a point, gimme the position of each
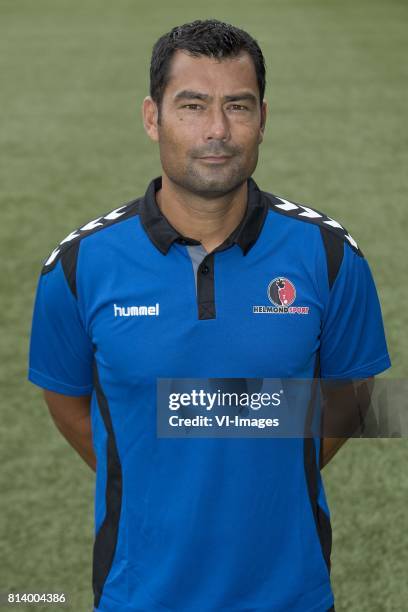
(207, 182)
(211, 182)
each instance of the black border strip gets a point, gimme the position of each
(334, 247)
(322, 521)
(107, 536)
(69, 260)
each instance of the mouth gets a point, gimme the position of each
(216, 159)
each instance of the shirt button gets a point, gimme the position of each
(205, 270)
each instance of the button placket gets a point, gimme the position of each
(205, 288)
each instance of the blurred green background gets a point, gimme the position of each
(73, 76)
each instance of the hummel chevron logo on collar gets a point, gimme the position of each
(92, 226)
(309, 214)
(115, 214)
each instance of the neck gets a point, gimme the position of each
(209, 221)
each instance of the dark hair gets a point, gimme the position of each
(210, 37)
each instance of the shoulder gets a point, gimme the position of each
(330, 228)
(334, 236)
(68, 247)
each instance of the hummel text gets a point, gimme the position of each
(135, 311)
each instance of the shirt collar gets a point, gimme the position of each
(163, 234)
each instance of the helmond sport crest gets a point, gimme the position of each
(281, 293)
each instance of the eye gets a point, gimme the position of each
(192, 106)
(238, 107)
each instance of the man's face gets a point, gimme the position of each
(210, 109)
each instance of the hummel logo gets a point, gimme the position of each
(135, 311)
(309, 213)
(99, 222)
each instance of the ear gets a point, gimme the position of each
(264, 111)
(150, 115)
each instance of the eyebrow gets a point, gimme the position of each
(187, 94)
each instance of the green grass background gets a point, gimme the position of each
(73, 76)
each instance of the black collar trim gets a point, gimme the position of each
(163, 234)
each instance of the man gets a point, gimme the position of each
(182, 283)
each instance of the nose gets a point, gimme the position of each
(218, 126)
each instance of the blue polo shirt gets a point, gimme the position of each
(204, 524)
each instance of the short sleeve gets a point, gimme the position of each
(352, 342)
(61, 352)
